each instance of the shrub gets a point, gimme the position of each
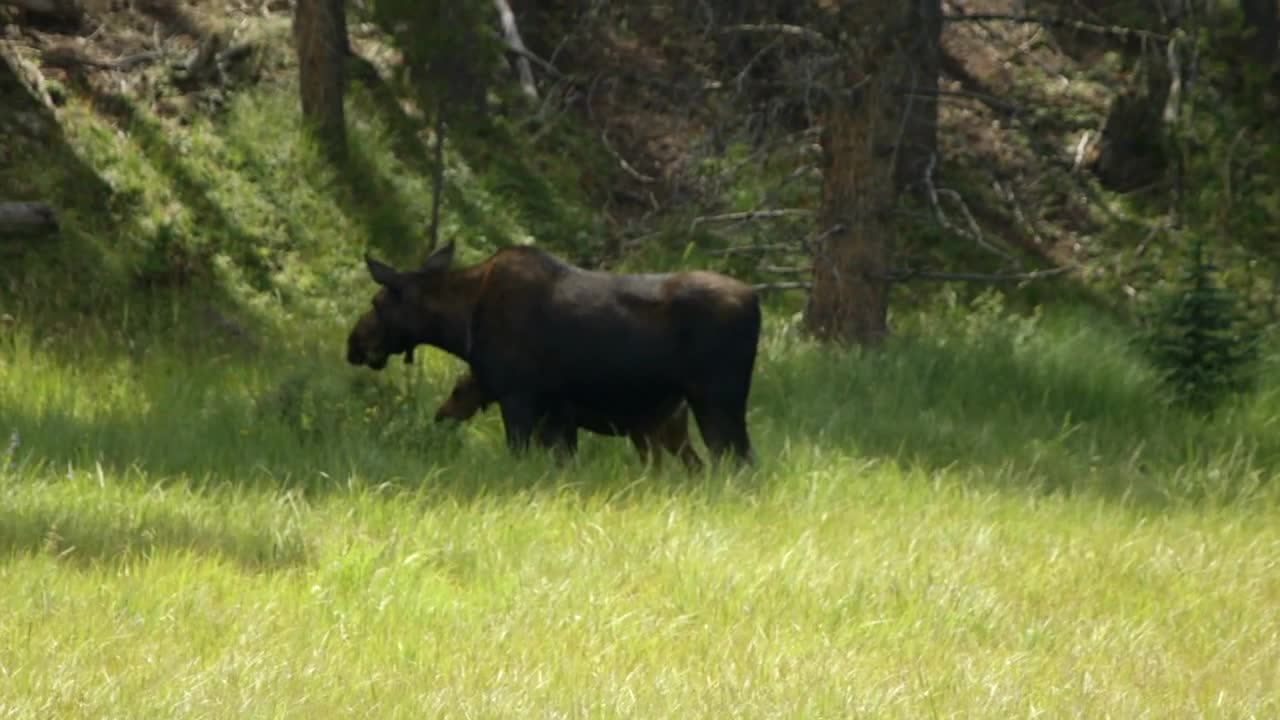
(1199, 337)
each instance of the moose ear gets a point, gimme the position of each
(439, 260)
(383, 274)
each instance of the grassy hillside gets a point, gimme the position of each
(204, 512)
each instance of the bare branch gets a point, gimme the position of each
(752, 215)
(622, 162)
(67, 56)
(1112, 30)
(511, 34)
(772, 287)
(779, 29)
(527, 54)
(763, 248)
(906, 274)
(974, 231)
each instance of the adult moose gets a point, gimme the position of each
(544, 337)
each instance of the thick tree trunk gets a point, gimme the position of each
(319, 31)
(1263, 18)
(339, 10)
(920, 132)
(862, 135)
(1131, 152)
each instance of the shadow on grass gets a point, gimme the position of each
(90, 536)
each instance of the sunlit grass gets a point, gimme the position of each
(973, 524)
(991, 516)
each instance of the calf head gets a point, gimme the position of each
(411, 308)
(466, 399)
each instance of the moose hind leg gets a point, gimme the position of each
(557, 431)
(721, 413)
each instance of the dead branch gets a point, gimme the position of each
(67, 56)
(1007, 194)
(782, 270)
(959, 15)
(512, 35)
(773, 287)
(22, 217)
(991, 101)
(779, 29)
(974, 231)
(622, 162)
(763, 248)
(905, 274)
(60, 8)
(25, 72)
(752, 215)
(437, 179)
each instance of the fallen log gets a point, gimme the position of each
(59, 8)
(16, 217)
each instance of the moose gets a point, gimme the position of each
(550, 341)
(667, 430)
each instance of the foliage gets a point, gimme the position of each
(1199, 337)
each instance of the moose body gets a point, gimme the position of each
(667, 430)
(548, 340)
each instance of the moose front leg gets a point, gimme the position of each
(519, 416)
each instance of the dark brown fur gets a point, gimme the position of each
(548, 340)
(669, 430)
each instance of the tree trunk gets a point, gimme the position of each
(339, 10)
(319, 31)
(862, 133)
(920, 132)
(1131, 151)
(1263, 18)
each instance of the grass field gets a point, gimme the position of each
(990, 517)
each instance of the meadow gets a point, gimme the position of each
(206, 513)
(995, 515)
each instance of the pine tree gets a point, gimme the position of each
(1200, 338)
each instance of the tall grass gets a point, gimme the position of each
(980, 519)
(204, 512)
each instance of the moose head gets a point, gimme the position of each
(410, 308)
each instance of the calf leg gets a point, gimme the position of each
(673, 435)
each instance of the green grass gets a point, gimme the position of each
(994, 515)
(980, 520)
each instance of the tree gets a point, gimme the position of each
(862, 137)
(320, 34)
(1263, 18)
(920, 133)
